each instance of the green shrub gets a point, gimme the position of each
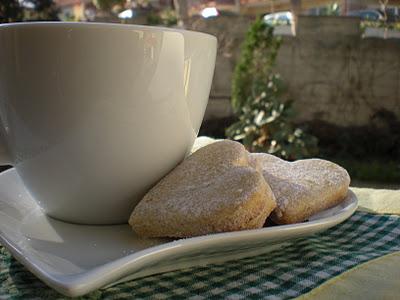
(371, 170)
(264, 123)
(257, 59)
(10, 11)
(14, 11)
(379, 140)
(379, 24)
(108, 5)
(166, 17)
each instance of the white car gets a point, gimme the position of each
(280, 18)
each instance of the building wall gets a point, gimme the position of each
(332, 74)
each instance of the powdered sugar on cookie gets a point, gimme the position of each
(302, 187)
(213, 190)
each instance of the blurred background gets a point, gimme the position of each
(294, 78)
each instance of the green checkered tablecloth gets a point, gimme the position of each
(301, 266)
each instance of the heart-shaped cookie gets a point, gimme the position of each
(213, 190)
(302, 188)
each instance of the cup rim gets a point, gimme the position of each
(102, 24)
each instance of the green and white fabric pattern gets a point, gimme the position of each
(299, 267)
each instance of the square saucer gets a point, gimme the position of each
(77, 259)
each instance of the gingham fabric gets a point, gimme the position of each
(302, 265)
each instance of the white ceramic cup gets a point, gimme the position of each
(92, 115)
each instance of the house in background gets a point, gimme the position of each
(365, 9)
(254, 7)
(76, 10)
(84, 10)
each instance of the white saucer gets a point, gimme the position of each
(76, 259)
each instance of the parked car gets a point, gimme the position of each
(280, 18)
(367, 14)
(211, 12)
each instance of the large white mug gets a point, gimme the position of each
(92, 115)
